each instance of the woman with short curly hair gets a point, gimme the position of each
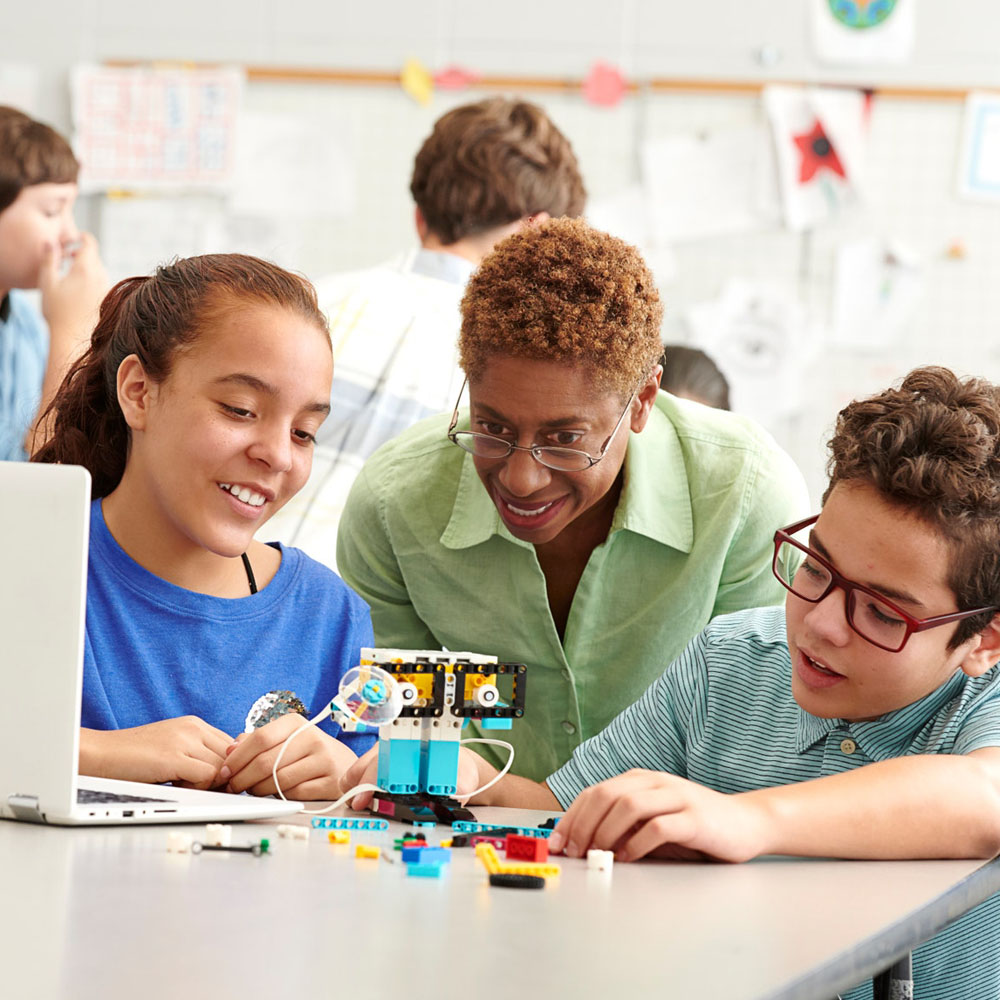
(587, 524)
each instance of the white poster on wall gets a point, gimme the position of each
(979, 162)
(144, 128)
(761, 338)
(863, 32)
(821, 142)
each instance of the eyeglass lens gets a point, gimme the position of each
(486, 446)
(869, 616)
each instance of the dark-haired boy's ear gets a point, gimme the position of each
(644, 399)
(134, 388)
(986, 652)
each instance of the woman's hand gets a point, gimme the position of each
(310, 769)
(186, 750)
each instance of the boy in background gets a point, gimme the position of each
(38, 237)
(486, 170)
(862, 720)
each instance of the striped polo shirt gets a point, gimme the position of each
(723, 715)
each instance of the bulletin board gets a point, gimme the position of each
(326, 189)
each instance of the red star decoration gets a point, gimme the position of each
(817, 153)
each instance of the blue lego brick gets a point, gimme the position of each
(496, 723)
(345, 823)
(439, 767)
(428, 870)
(424, 823)
(426, 855)
(399, 765)
(464, 826)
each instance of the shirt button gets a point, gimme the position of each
(569, 727)
(848, 746)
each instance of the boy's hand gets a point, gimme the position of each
(365, 771)
(71, 301)
(649, 812)
(186, 750)
(310, 769)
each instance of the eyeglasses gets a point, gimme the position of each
(553, 457)
(874, 618)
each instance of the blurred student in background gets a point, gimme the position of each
(692, 374)
(40, 247)
(486, 170)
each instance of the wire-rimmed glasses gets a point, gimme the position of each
(551, 456)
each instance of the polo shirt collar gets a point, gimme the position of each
(655, 500)
(442, 265)
(889, 735)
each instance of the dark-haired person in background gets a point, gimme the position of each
(691, 374)
(40, 247)
(486, 170)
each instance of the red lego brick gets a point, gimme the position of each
(527, 848)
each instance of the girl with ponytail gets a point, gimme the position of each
(195, 410)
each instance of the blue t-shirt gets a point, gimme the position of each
(155, 651)
(24, 352)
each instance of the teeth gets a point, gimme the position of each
(244, 494)
(529, 513)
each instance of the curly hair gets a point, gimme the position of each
(562, 291)
(491, 163)
(31, 153)
(932, 446)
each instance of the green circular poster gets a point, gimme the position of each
(861, 14)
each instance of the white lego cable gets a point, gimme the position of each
(281, 753)
(503, 770)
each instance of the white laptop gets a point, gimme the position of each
(44, 537)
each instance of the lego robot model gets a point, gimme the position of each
(436, 692)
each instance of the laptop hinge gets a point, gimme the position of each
(25, 807)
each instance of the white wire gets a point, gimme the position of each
(496, 777)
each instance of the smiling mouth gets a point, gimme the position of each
(817, 666)
(244, 494)
(524, 512)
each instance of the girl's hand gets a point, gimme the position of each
(186, 750)
(310, 769)
(649, 812)
(365, 771)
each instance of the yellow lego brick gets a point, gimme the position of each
(339, 836)
(446, 843)
(366, 851)
(529, 868)
(487, 854)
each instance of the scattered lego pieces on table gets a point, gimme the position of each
(179, 843)
(339, 836)
(520, 848)
(367, 851)
(293, 832)
(255, 849)
(601, 861)
(348, 823)
(218, 835)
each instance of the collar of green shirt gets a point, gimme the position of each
(650, 505)
(890, 734)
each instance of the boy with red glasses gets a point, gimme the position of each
(862, 720)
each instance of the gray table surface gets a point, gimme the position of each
(109, 913)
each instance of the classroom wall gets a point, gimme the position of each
(367, 215)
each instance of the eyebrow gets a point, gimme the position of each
(890, 592)
(561, 422)
(253, 382)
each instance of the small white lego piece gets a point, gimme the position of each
(600, 861)
(293, 831)
(218, 835)
(178, 843)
